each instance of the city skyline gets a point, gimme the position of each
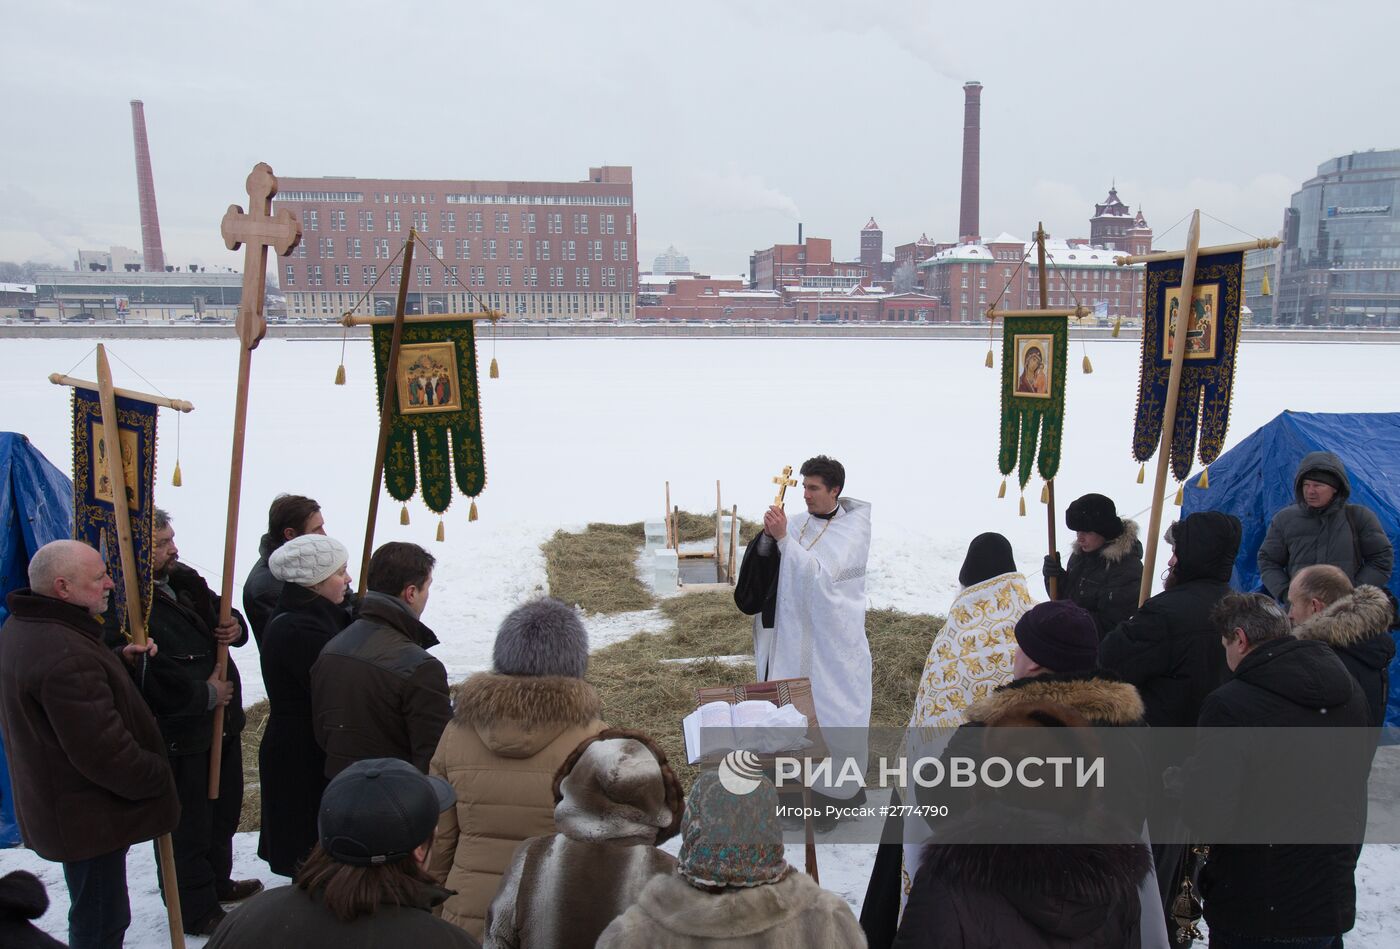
(739, 122)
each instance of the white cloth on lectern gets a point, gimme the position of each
(819, 626)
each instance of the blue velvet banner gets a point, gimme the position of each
(1208, 373)
(94, 521)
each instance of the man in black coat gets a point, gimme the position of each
(1104, 574)
(1170, 650)
(1283, 846)
(375, 691)
(1355, 622)
(181, 686)
(291, 515)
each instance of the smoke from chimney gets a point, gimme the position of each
(146, 191)
(968, 226)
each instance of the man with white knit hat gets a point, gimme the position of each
(307, 614)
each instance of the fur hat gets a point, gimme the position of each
(308, 559)
(1096, 513)
(543, 637)
(1060, 636)
(730, 839)
(618, 784)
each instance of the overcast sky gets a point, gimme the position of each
(739, 119)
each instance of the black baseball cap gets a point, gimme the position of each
(379, 810)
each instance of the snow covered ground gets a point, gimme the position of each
(590, 429)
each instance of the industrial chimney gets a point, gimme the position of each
(146, 191)
(968, 227)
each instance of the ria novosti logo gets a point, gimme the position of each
(740, 772)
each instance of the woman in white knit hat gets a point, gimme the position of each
(291, 764)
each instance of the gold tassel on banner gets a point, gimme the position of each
(471, 513)
(1045, 493)
(495, 369)
(1117, 327)
(340, 374)
(989, 359)
(1205, 479)
(442, 531)
(1180, 493)
(1142, 473)
(1023, 505)
(176, 480)
(1264, 289)
(1088, 366)
(1001, 492)
(403, 515)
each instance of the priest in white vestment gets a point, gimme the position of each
(818, 617)
(971, 656)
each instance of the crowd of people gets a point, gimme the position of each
(505, 811)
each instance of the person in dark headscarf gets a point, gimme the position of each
(970, 657)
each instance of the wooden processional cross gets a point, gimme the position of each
(135, 619)
(255, 232)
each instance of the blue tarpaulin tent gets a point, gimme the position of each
(1254, 481)
(36, 506)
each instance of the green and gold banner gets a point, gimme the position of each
(1208, 372)
(94, 519)
(436, 400)
(1033, 358)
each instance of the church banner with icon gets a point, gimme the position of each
(1208, 370)
(94, 520)
(1033, 358)
(436, 400)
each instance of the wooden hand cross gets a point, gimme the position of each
(783, 481)
(256, 231)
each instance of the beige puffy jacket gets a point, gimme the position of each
(507, 738)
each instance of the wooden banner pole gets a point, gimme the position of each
(670, 538)
(1052, 584)
(135, 622)
(719, 532)
(732, 570)
(1178, 338)
(387, 407)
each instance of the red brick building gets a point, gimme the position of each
(710, 298)
(806, 264)
(970, 277)
(533, 250)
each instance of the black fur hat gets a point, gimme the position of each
(1094, 512)
(543, 637)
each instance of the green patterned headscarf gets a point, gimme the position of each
(731, 839)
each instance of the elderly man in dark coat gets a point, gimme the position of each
(182, 689)
(1321, 527)
(1355, 622)
(87, 760)
(1274, 877)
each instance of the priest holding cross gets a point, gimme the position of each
(803, 581)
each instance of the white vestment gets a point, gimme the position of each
(819, 627)
(970, 656)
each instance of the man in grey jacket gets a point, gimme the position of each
(1322, 528)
